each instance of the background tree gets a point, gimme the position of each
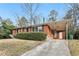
(22, 22)
(68, 19)
(73, 13)
(31, 10)
(68, 14)
(37, 19)
(53, 18)
(73, 16)
(53, 15)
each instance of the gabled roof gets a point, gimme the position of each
(59, 25)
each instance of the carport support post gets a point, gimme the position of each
(67, 29)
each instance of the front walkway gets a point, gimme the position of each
(50, 48)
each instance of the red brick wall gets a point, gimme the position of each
(47, 30)
(25, 30)
(14, 32)
(50, 33)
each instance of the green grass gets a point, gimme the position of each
(74, 47)
(16, 47)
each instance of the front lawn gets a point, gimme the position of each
(16, 47)
(74, 47)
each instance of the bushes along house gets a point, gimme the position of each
(38, 36)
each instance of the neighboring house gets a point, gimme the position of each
(55, 30)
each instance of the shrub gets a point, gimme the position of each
(76, 35)
(39, 36)
(4, 35)
(1, 36)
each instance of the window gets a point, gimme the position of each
(34, 29)
(40, 29)
(37, 29)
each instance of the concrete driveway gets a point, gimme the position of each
(50, 48)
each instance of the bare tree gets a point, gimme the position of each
(68, 14)
(30, 9)
(73, 16)
(36, 18)
(73, 13)
(22, 22)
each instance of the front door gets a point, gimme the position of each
(60, 35)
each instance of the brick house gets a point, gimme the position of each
(55, 30)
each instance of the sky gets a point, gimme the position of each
(9, 10)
